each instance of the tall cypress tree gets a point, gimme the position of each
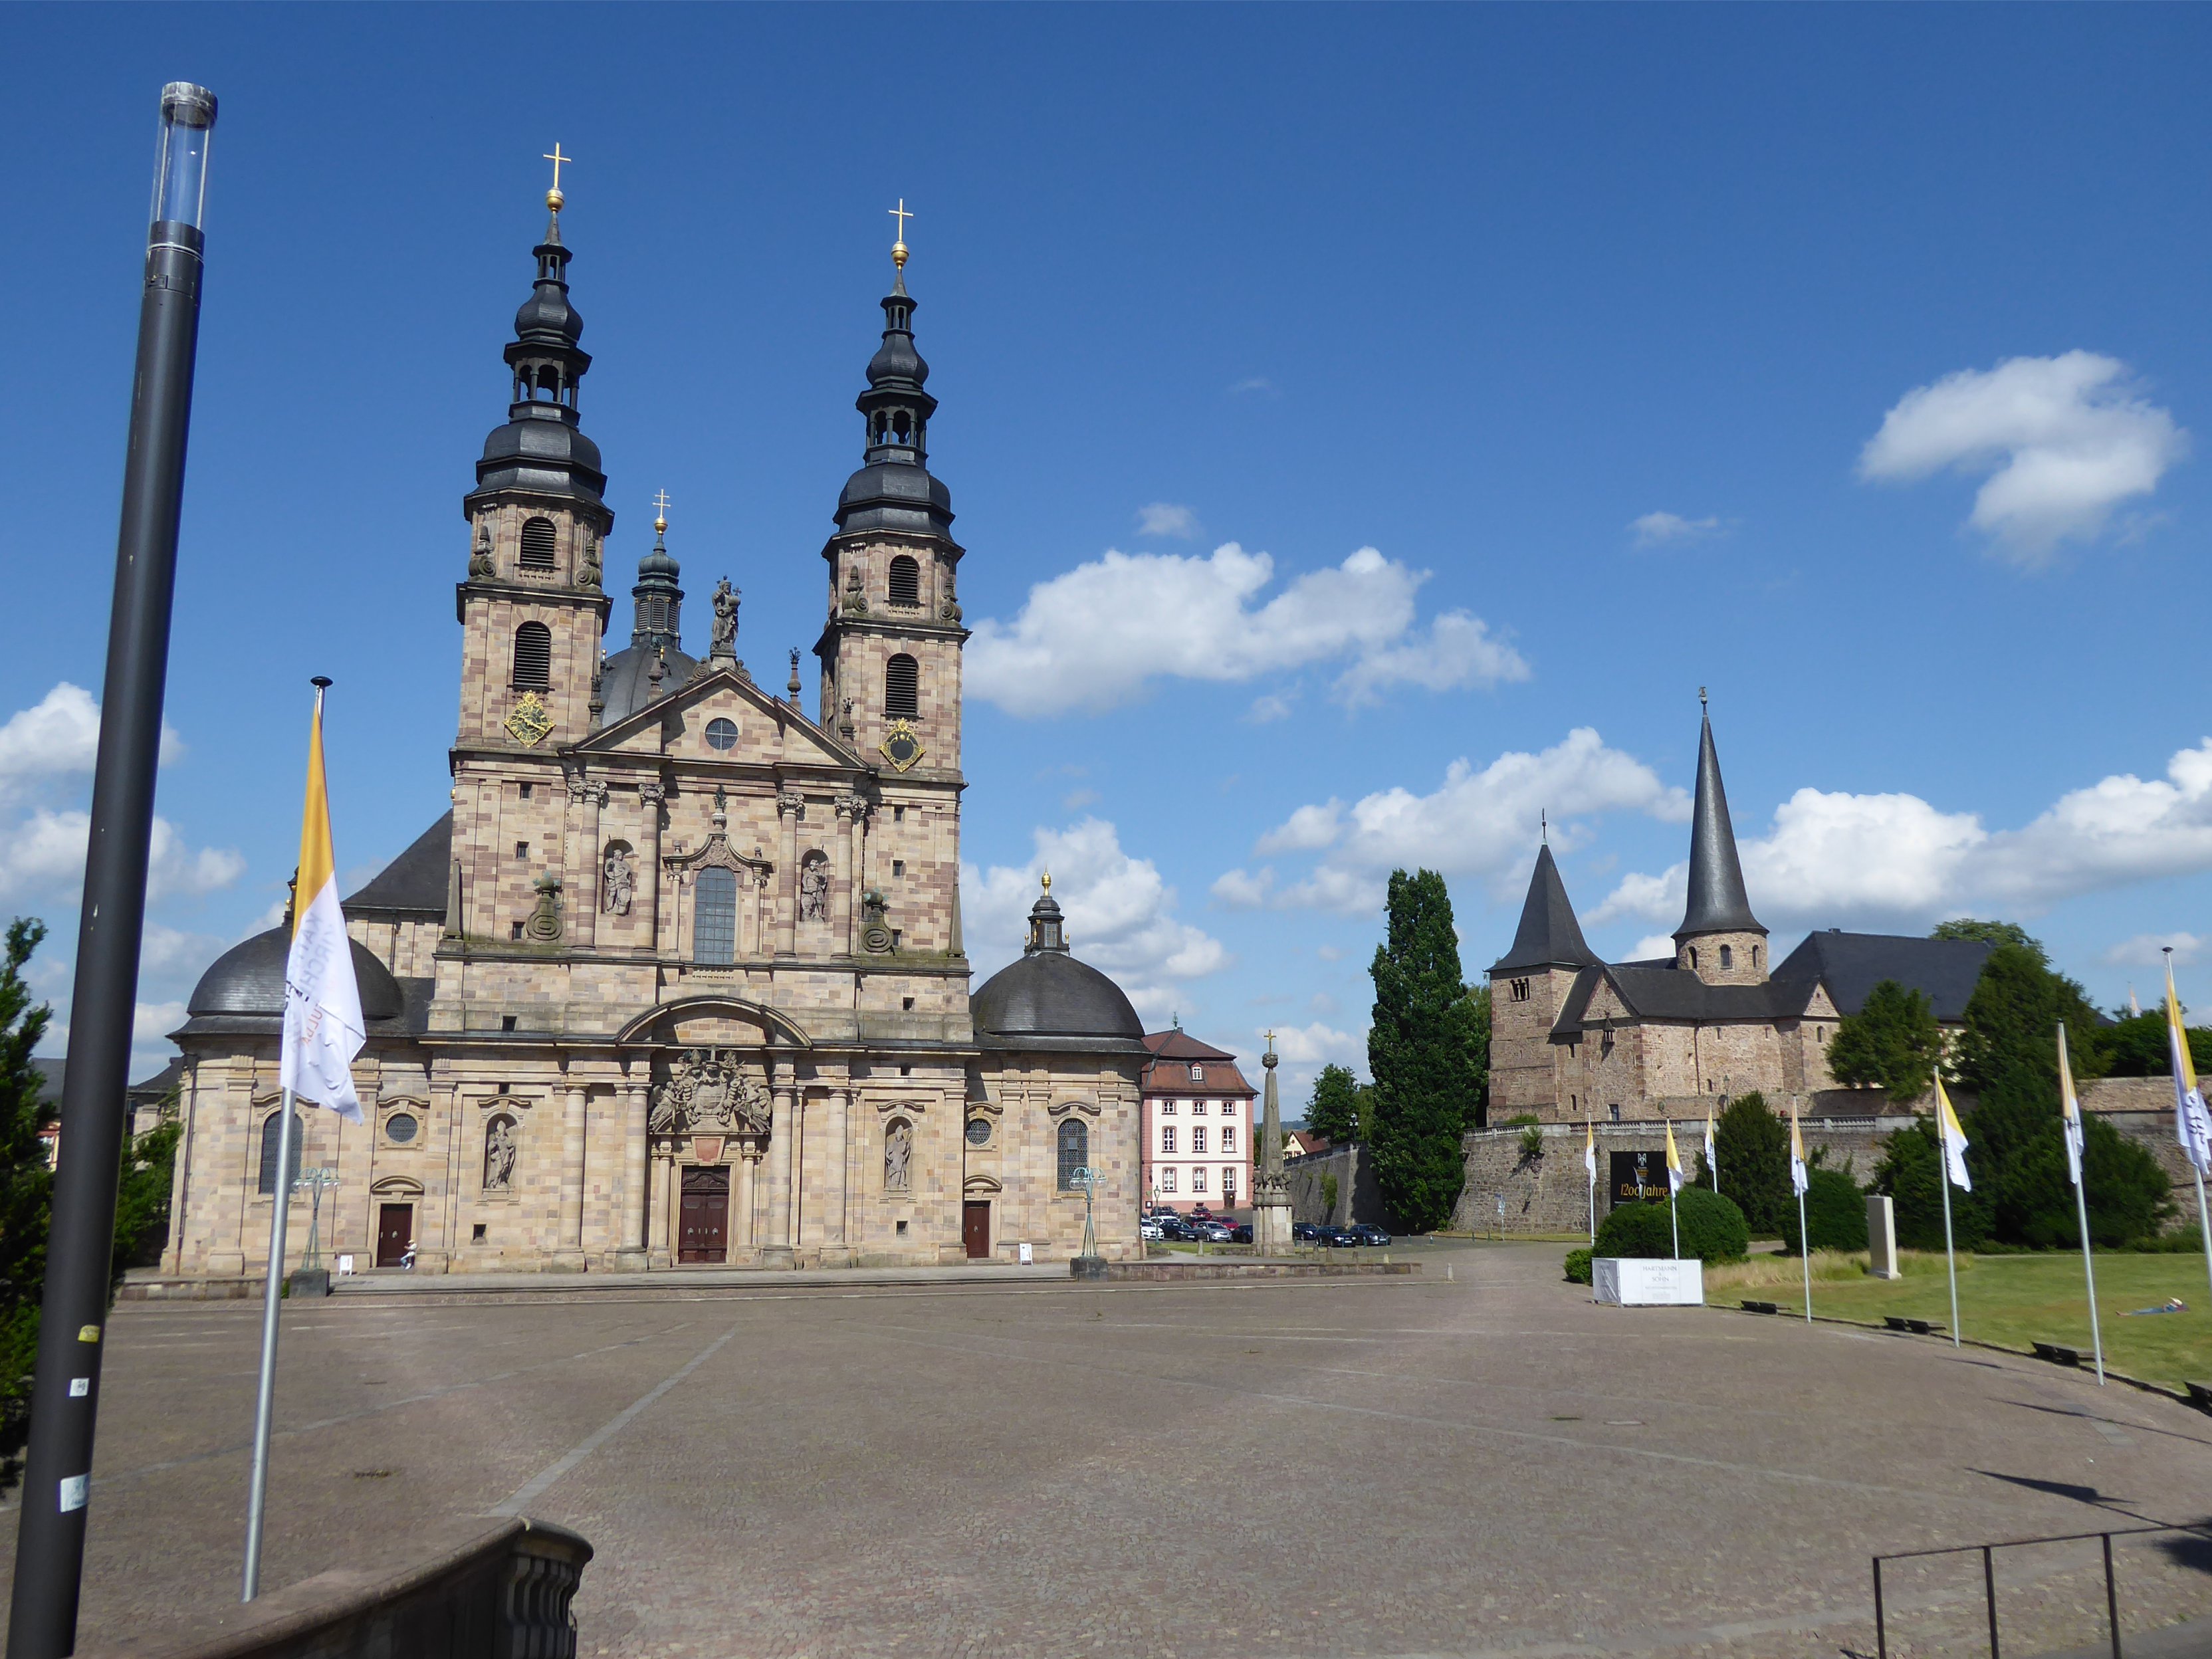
(24, 1188)
(1421, 1053)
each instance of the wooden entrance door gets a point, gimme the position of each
(975, 1228)
(705, 1235)
(395, 1231)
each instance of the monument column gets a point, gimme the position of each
(649, 798)
(1270, 1191)
(629, 1254)
(569, 1249)
(788, 805)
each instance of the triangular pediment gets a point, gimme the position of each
(720, 715)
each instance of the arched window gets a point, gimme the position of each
(714, 927)
(1074, 1152)
(533, 657)
(538, 544)
(1693, 956)
(1728, 955)
(902, 687)
(270, 1131)
(906, 582)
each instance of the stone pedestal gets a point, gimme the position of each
(1271, 1222)
(1881, 1238)
(1091, 1266)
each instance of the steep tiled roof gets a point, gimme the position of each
(1852, 964)
(1549, 936)
(415, 882)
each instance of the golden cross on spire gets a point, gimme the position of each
(553, 196)
(659, 507)
(898, 248)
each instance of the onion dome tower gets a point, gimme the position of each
(656, 636)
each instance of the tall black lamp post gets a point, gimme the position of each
(65, 1398)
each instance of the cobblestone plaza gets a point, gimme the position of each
(1487, 1464)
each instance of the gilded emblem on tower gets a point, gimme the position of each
(902, 745)
(530, 725)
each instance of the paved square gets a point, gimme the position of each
(1484, 1465)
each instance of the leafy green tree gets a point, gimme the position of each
(1478, 1051)
(1420, 1054)
(25, 1189)
(1993, 933)
(1910, 1173)
(1333, 1109)
(1712, 1228)
(1835, 1214)
(141, 1197)
(1753, 1147)
(1893, 1041)
(2134, 1045)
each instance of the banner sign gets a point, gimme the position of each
(1638, 1177)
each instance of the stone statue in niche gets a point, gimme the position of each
(899, 1156)
(589, 575)
(725, 620)
(500, 1147)
(706, 1090)
(814, 887)
(480, 565)
(620, 884)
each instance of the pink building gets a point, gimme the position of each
(1197, 1124)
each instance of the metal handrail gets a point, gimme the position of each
(1989, 1576)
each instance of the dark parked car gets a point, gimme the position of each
(1241, 1233)
(1341, 1239)
(1305, 1232)
(1366, 1232)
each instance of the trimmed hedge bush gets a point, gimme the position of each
(1835, 1214)
(1713, 1229)
(1578, 1266)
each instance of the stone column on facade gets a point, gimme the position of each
(180, 1180)
(741, 1201)
(630, 1252)
(788, 805)
(845, 900)
(671, 1210)
(782, 1167)
(837, 1177)
(1270, 1191)
(585, 799)
(860, 860)
(569, 1247)
(649, 798)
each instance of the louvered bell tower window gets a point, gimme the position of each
(902, 687)
(537, 543)
(906, 582)
(533, 657)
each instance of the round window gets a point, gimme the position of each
(400, 1128)
(978, 1131)
(722, 734)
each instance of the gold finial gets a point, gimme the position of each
(659, 499)
(553, 196)
(1048, 881)
(898, 248)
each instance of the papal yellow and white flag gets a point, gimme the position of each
(1673, 1161)
(2192, 1125)
(1590, 1153)
(322, 1028)
(2070, 1107)
(1800, 1178)
(1953, 1138)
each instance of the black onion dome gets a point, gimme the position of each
(249, 979)
(542, 449)
(893, 489)
(1048, 994)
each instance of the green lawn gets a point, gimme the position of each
(2012, 1300)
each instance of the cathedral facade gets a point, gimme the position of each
(1575, 1039)
(680, 979)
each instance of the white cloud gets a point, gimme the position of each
(1121, 914)
(1482, 823)
(1094, 637)
(44, 855)
(1166, 519)
(150, 1022)
(1273, 706)
(1316, 1044)
(1254, 383)
(59, 734)
(2062, 441)
(1829, 859)
(2148, 950)
(1652, 946)
(1243, 889)
(1655, 529)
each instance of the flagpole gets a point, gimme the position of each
(2078, 1155)
(264, 1402)
(1950, 1255)
(2187, 1095)
(1805, 1250)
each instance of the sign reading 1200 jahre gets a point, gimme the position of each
(1638, 1177)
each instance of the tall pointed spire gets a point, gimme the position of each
(893, 489)
(1549, 936)
(1717, 903)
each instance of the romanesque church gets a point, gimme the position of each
(1574, 1039)
(679, 978)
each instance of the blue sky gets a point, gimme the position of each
(1850, 362)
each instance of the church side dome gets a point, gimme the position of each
(1048, 994)
(249, 979)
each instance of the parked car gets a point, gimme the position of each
(1182, 1232)
(1305, 1232)
(1148, 1228)
(1215, 1232)
(1241, 1233)
(1340, 1238)
(1366, 1232)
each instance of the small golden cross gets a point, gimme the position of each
(556, 159)
(898, 213)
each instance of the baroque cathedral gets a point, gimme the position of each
(679, 978)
